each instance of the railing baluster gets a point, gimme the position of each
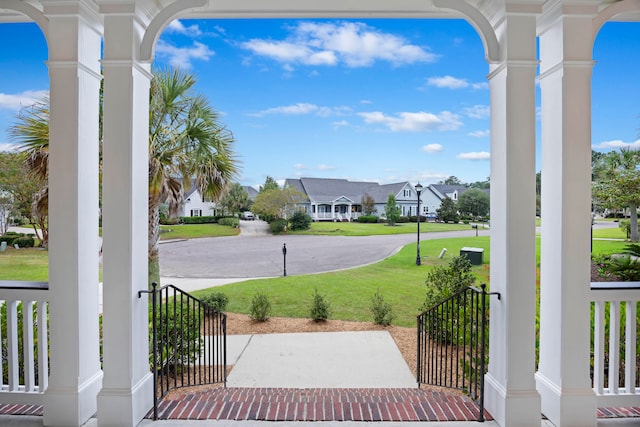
(598, 343)
(614, 346)
(12, 344)
(2, 304)
(43, 348)
(27, 346)
(630, 348)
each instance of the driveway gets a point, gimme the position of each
(256, 254)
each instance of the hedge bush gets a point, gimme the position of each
(368, 219)
(217, 300)
(320, 307)
(381, 310)
(24, 242)
(300, 221)
(229, 221)
(278, 226)
(199, 219)
(260, 308)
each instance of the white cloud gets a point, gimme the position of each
(177, 26)
(339, 124)
(414, 122)
(478, 112)
(16, 101)
(480, 133)
(323, 167)
(450, 82)
(433, 148)
(481, 155)
(299, 166)
(618, 144)
(181, 57)
(353, 44)
(303, 108)
(7, 146)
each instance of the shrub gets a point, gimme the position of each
(198, 219)
(217, 300)
(404, 219)
(229, 221)
(260, 307)
(320, 307)
(300, 221)
(625, 268)
(24, 242)
(169, 221)
(368, 219)
(178, 337)
(626, 227)
(9, 238)
(381, 310)
(278, 226)
(442, 282)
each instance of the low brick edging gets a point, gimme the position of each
(285, 404)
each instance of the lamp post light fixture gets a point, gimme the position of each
(418, 188)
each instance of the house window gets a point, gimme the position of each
(196, 212)
(407, 192)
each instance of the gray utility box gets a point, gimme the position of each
(474, 255)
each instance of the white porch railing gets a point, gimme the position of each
(615, 342)
(24, 372)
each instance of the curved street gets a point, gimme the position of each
(255, 254)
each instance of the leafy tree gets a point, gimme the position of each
(452, 180)
(618, 184)
(31, 132)
(473, 202)
(483, 185)
(269, 184)
(276, 203)
(447, 211)
(185, 140)
(235, 200)
(392, 210)
(368, 204)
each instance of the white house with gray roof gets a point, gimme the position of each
(341, 200)
(195, 204)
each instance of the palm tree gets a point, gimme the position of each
(31, 132)
(186, 143)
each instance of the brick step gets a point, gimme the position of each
(285, 404)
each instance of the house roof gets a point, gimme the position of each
(326, 190)
(251, 191)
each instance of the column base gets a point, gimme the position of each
(567, 408)
(70, 407)
(125, 407)
(520, 408)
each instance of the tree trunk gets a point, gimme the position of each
(154, 239)
(633, 222)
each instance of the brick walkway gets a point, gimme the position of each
(282, 404)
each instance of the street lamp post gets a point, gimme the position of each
(418, 190)
(284, 256)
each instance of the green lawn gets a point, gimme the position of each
(361, 229)
(609, 233)
(30, 264)
(190, 231)
(399, 280)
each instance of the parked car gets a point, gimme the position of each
(431, 216)
(249, 216)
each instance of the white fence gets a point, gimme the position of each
(24, 371)
(615, 341)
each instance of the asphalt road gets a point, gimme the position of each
(255, 254)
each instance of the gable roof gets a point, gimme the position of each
(327, 190)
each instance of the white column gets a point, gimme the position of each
(510, 394)
(127, 393)
(74, 71)
(565, 81)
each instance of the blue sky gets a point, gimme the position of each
(376, 100)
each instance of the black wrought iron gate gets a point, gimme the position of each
(452, 343)
(188, 340)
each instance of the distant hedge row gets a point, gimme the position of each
(21, 239)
